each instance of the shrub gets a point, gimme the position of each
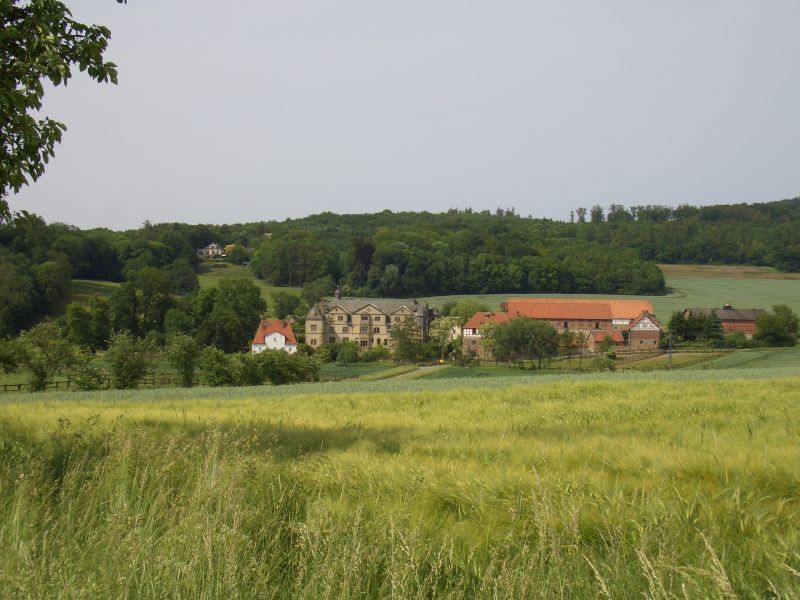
(182, 353)
(215, 366)
(45, 351)
(347, 352)
(129, 359)
(601, 363)
(84, 375)
(375, 353)
(326, 353)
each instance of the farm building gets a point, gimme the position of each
(629, 324)
(733, 319)
(274, 334)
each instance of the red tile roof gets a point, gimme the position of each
(480, 318)
(561, 311)
(268, 326)
(588, 308)
(616, 336)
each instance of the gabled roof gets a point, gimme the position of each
(645, 315)
(620, 309)
(482, 318)
(728, 314)
(386, 305)
(268, 326)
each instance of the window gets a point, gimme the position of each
(378, 319)
(313, 342)
(365, 317)
(340, 317)
(596, 325)
(376, 330)
(313, 328)
(365, 330)
(332, 340)
(397, 319)
(346, 339)
(566, 324)
(345, 329)
(364, 343)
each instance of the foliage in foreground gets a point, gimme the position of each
(581, 489)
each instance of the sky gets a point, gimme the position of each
(255, 110)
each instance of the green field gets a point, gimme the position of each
(683, 484)
(751, 287)
(687, 285)
(210, 277)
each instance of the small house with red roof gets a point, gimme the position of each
(274, 334)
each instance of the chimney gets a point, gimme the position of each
(727, 307)
(338, 293)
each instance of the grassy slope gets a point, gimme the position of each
(211, 277)
(619, 485)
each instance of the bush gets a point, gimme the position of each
(326, 353)
(129, 359)
(601, 363)
(84, 375)
(216, 367)
(44, 351)
(182, 353)
(347, 352)
(376, 353)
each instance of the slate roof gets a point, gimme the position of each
(385, 305)
(268, 326)
(729, 314)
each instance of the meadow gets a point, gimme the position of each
(210, 276)
(662, 485)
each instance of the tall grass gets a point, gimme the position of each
(564, 487)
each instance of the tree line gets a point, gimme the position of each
(406, 254)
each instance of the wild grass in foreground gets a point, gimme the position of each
(583, 487)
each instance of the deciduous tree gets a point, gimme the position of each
(40, 42)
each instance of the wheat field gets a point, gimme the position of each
(681, 485)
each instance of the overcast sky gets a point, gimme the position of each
(258, 109)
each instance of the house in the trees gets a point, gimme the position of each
(733, 319)
(274, 334)
(366, 321)
(213, 250)
(629, 324)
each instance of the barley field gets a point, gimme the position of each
(662, 485)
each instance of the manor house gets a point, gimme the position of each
(366, 321)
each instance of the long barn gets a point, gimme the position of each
(629, 324)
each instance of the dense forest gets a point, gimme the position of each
(609, 251)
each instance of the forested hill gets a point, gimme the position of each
(608, 251)
(463, 251)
